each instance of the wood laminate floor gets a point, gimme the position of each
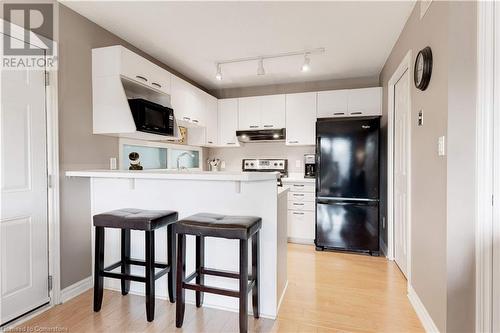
(327, 292)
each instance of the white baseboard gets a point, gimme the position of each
(423, 315)
(76, 289)
(303, 241)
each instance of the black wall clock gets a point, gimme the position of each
(423, 68)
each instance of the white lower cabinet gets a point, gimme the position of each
(301, 213)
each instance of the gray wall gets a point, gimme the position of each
(79, 149)
(428, 170)
(442, 188)
(462, 81)
(290, 88)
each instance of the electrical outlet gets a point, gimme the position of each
(421, 118)
(441, 146)
(112, 163)
(223, 165)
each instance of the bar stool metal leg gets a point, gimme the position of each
(150, 275)
(98, 268)
(181, 276)
(243, 285)
(125, 254)
(200, 262)
(255, 273)
(171, 262)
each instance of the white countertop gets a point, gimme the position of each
(292, 178)
(174, 174)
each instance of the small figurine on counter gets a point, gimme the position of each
(135, 163)
(213, 164)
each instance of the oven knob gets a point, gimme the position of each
(281, 164)
(251, 164)
(275, 164)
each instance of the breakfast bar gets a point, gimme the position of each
(188, 193)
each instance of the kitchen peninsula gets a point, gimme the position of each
(191, 192)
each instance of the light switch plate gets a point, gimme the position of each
(112, 163)
(223, 165)
(420, 118)
(441, 146)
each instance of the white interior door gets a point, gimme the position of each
(23, 218)
(401, 167)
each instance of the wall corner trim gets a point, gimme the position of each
(423, 315)
(76, 289)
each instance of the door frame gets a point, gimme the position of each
(487, 156)
(52, 143)
(405, 65)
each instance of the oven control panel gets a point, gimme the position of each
(280, 165)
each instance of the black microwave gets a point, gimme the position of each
(153, 118)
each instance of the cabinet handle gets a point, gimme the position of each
(298, 204)
(156, 84)
(194, 121)
(230, 143)
(357, 112)
(268, 126)
(339, 113)
(210, 142)
(254, 126)
(298, 185)
(186, 118)
(298, 195)
(141, 78)
(293, 142)
(297, 213)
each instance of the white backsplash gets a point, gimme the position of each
(233, 156)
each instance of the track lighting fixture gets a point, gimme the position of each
(260, 68)
(218, 75)
(306, 66)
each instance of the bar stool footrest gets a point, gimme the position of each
(165, 268)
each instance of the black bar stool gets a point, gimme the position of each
(135, 219)
(231, 227)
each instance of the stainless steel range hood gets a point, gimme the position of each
(262, 135)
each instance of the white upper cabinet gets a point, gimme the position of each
(261, 112)
(211, 122)
(332, 103)
(118, 60)
(273, 111)
(365, 102)
(301, 119)
(228, 122)
(188, 103)
(350, 103)
(249, 113)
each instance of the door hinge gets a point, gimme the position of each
(49, 181)
(492, 200)
(47, 79)
(50, 280)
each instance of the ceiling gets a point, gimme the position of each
(192, 36)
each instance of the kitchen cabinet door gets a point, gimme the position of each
(273, 111)
(211, 123)
(249, 113)
(181, 99)
(365, 102)
(332, 103)
(301, 226)
(197, 107)
(228, 122)
(301, 119)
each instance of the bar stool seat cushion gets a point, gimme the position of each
(136, 219)
(223, 226)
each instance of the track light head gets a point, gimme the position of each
(306, 66)
(260, 67)
(218, 75)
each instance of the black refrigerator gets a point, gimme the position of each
(347, 184)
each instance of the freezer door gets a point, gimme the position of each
(347, 153)
(349, 226)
